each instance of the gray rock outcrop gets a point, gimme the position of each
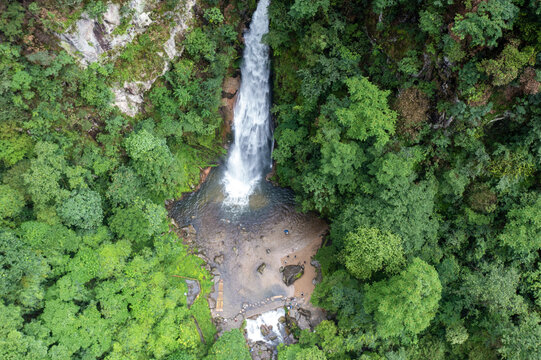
(291, 273)
(89, 40)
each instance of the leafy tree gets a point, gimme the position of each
(14, 343)
(505, 68)
(139, 222)
(405, 304)
(303, 9)
(493, 287)
(22, 272)
(231, 345)
(523, 341)
(44, 176)
(342, 295)
(11, 202)
(11, 20)
(486, 25)
(368, 114)
(82, 209)
(153, 161)
(296, 352)
(368, 250)
(523, 229)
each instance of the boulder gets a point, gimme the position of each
(229, 97)
(261, 268)
(219, 259)
(291, 273)
(189, 230)
(193, 291)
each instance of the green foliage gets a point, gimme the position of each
(505, 68)
(368, 250)
(199, 45)
(368, 115)
(523, 341)
(405, 304)
(139, 222)
(11, 202)
(296, 352)
(11, 20)
(96, 9)
(153, 161)
(303, 9)
(213, 16)
(523, 228)
(82, 209)
(430, 22)
(231, 345)
(486, 25)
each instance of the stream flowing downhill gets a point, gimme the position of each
(250, 154)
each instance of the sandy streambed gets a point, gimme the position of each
(236, 243)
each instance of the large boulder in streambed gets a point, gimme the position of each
(291, 273)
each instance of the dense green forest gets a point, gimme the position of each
(413, 127)
(87, 256)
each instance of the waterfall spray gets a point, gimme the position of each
(250, 154)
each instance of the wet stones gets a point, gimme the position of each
(261, 268)
(219, 259)
(292, 273)
(264, 330)
(189, 231)
(212, 303)
(261, 351)
(193, 291)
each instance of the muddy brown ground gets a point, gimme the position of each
(245, 290)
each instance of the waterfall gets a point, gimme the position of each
(250, 154)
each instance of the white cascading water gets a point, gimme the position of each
(271, 320)
(250, 154)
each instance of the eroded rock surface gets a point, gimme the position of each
(291, 273)
(90, 41)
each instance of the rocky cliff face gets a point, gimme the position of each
(90, 40)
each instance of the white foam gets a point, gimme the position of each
(270, 318)
(250, 153)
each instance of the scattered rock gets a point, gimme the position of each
(303, 323)
(291, 273)
(229, 97)
(319, 276)
(193, 291)
(305, 313)
(264, 330)
(219, 259)
(189, 230)
(261, 268)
